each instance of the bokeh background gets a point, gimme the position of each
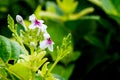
(95, 29)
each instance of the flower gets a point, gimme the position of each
(47, 42)
(19, 19)
(37, 23)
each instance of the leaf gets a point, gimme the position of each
(81, 13)
(58, 77)
(9, 49)
(57, 31)
(3, 73)
(53, 8)
(37, 11)
(71, 57)
(10, 23)
(5, 48)
(16, 50)
(111, 7)
(65, 72)
(44, 68)
(94, 40)
(92, 17)
(68, 7)
(21, 71)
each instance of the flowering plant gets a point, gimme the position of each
(24, 56)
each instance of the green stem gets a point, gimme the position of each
(10, 74)
(54, 64)
(81, 13)
(32, 50)
(33, 75)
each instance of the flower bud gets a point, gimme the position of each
(19, 19)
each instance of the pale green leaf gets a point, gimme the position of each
(10, 23)
(21, 71)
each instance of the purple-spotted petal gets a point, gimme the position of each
(47, 43)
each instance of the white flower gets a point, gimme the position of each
(37, 23)
(46, 35)
(47, 43)
(19, 19)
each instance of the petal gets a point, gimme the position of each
(32, 18)
(32, 26)
(46, 35)
(50, 47)
(41, 21)
(44, 26)
(43, 44)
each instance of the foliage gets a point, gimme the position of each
(93, 24)
(28, 64)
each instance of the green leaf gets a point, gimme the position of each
(81, 13)
(10, 23)
(57, 31)
(92, 17)
(65, 72)
(50, 7)
(109, 7)
(21, 71)
(44, 68)
(94, 40)
(1, 63)
(71, 57)
(5, 48)
(9, 49)
(16, 50)
(68, 7)
(53, 8)
(3, 74)
(58, 77)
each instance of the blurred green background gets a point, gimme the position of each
(95, 28)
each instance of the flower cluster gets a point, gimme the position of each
(30, 60)
(41, 28)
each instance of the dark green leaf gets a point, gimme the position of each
(9, 49)
(5, 48)
(111, 7)
(94, 41)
